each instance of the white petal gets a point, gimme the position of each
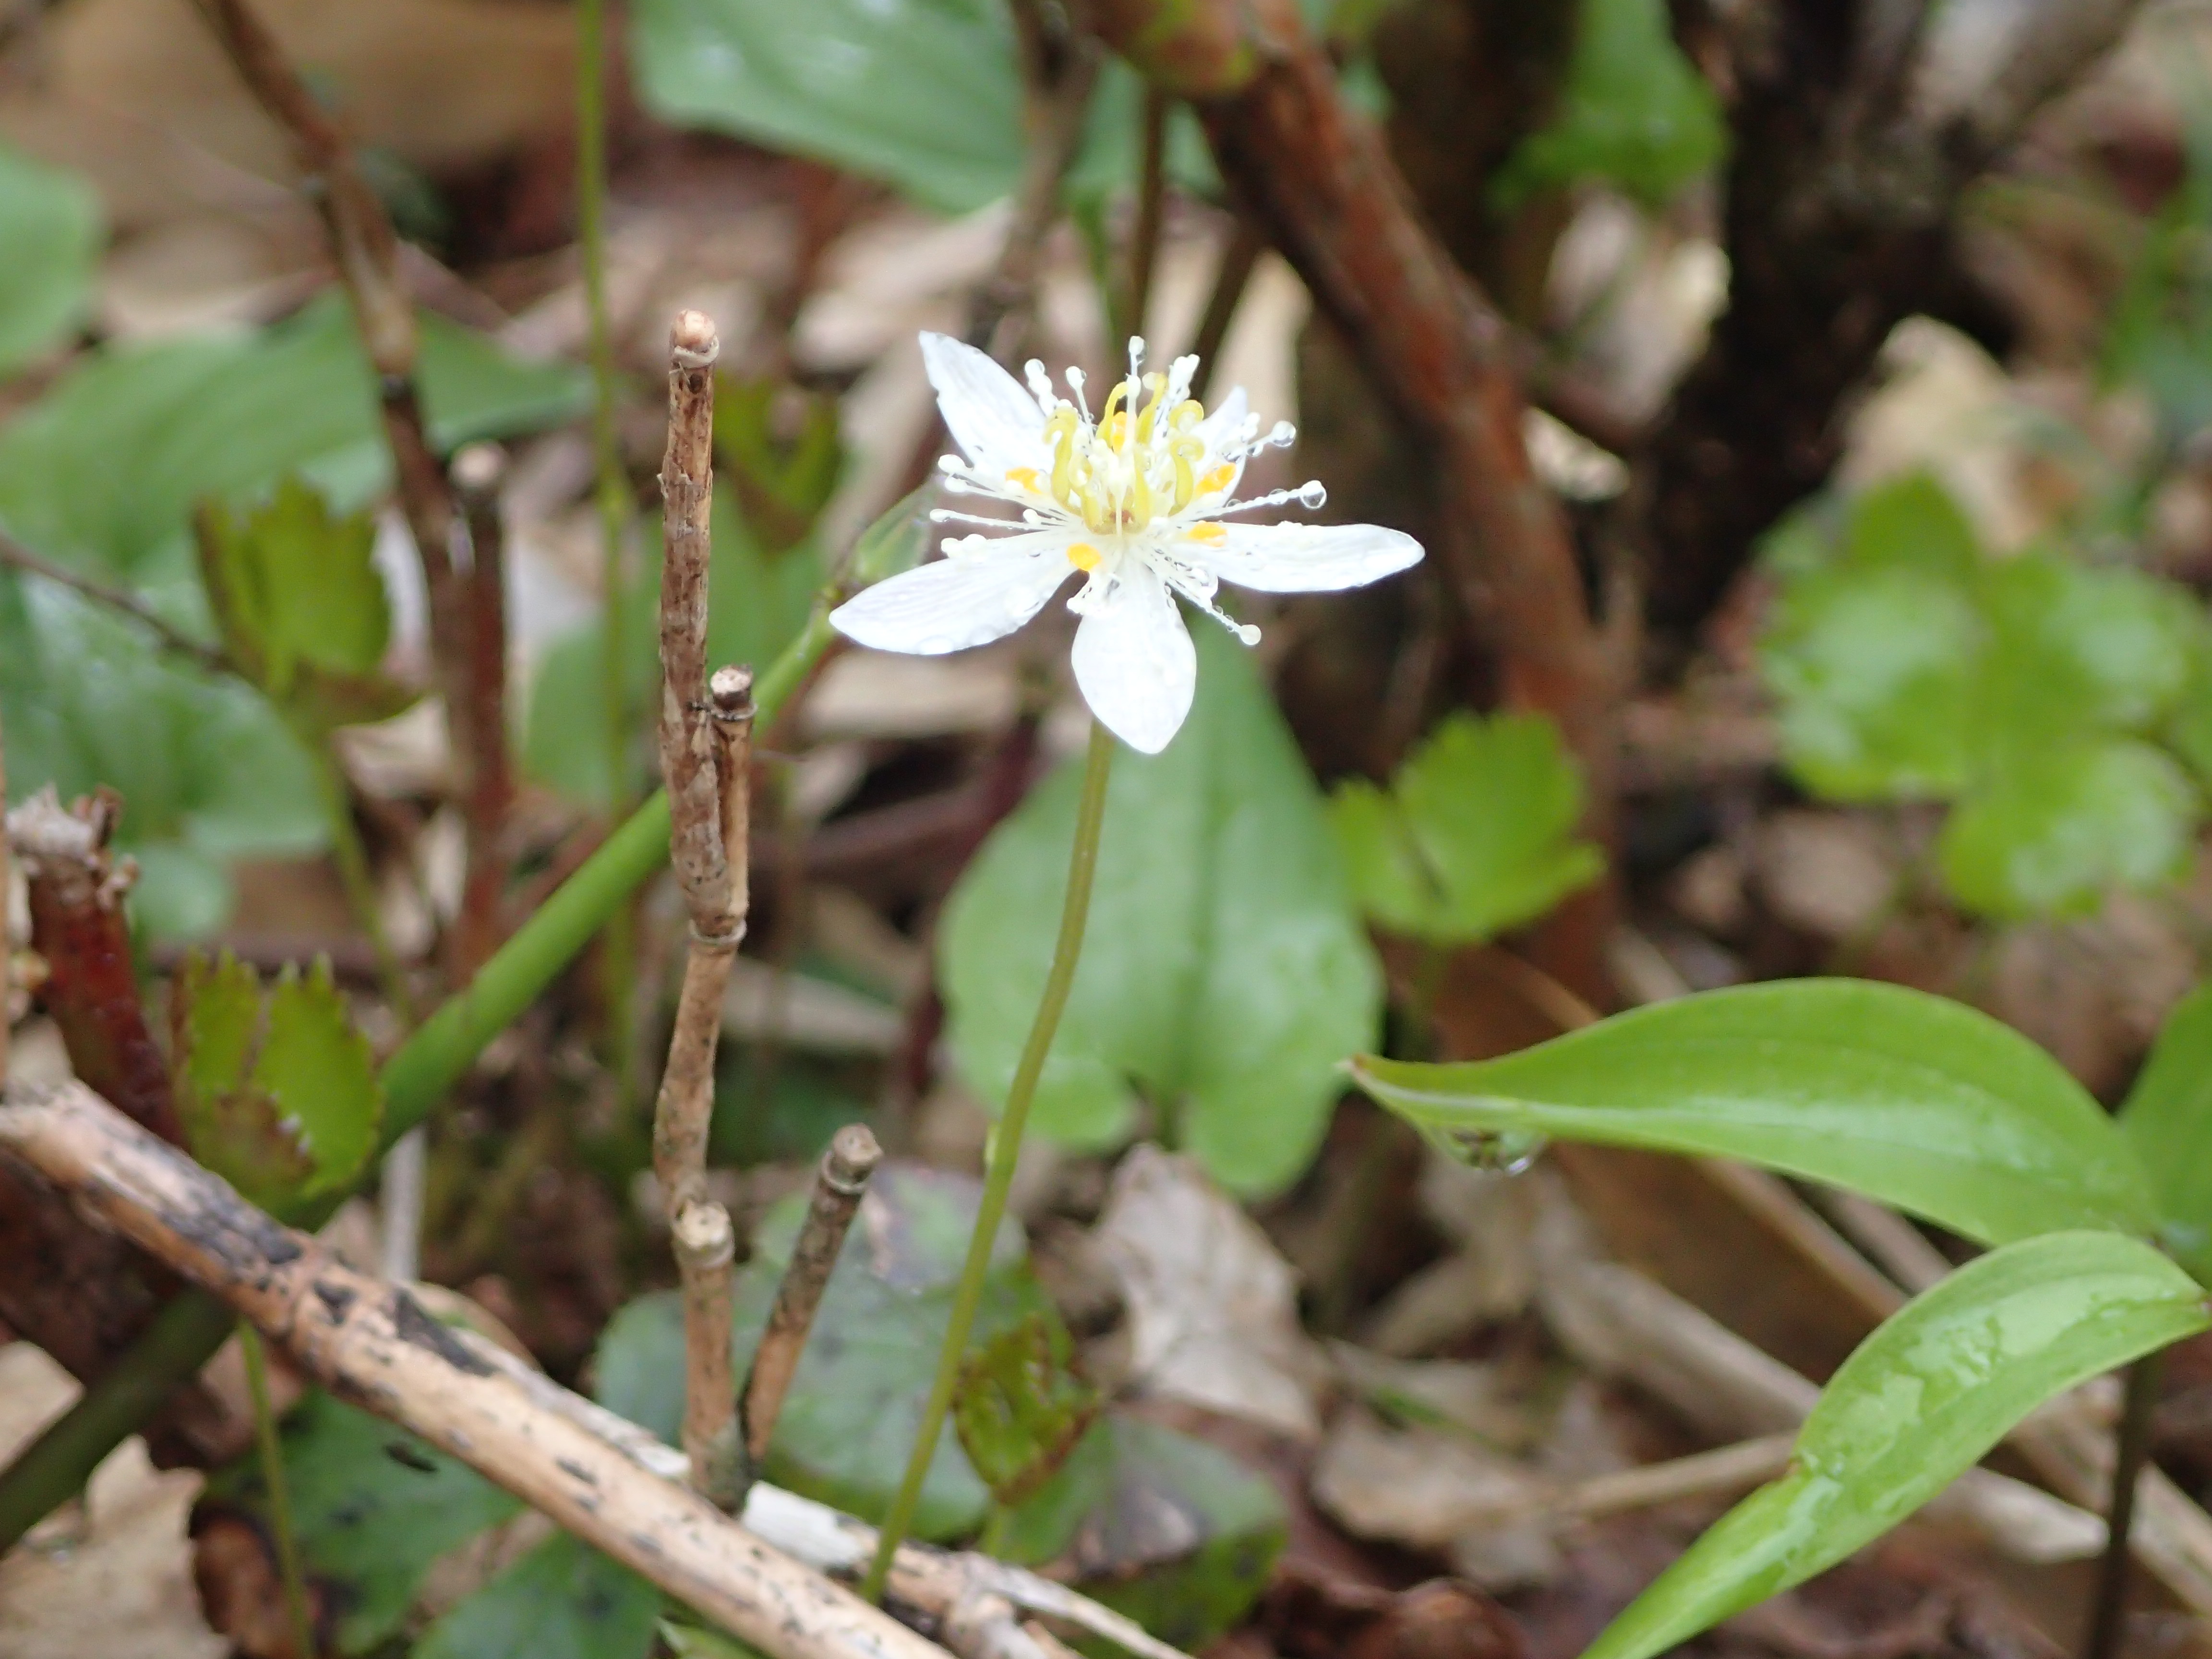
(1134, 661)
(994, 421)
(1221, 426)
(969, 599)
(1304, 558)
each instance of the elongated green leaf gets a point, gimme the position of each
(1921, 1400)
(1912, 1099)
(2169, 1117)
(1225, 970)
(49, 226)
(224, 417)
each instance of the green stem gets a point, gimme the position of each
(185, 1334)
(1005, 1148)
(2108, 1612)
(618, 959)
(280, 1498)
(996, 1525)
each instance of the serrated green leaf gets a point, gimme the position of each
(1919, 1401)
(857, 1396)
(1021, 1407)
(2167, 1116)
(562, 1601)
(373, 1508)
(1483, 835)
(758, 602)
(280, 1097)
(1633, 111)
(301, 607)
(207, 772)
(1912, 1099)
(2057, 830)
(1225, 970)
(50, 225)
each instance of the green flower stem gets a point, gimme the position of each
(1005, 1147)
(619, 957)
(185, 1334)
(352, 860)
(280, 1497)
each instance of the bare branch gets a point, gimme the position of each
(839, 1183)
(17, 556)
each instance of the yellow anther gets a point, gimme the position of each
(1220, 478)
(1186, 486)
(1059, 432)
(1213, 535)
(1140, 512)
(1082, 557)
(1027, 478)
(1117, 430)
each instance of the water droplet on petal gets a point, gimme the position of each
(1312, 494)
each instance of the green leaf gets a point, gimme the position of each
(857, 1396)
(2167, 1116)
(373, 1507)
(1476, 835)
(49, 224)
(1919, 1102)
(224, 417)
(2056, 830)
(207, 772)
(1919, 1401)
(1186, 1538)
(895, 542)
(688, 1641)
(302, 607)
(1225, 970)
(281, 1098)
(783, 484)
(758, 603)
(1634, 110)
(1021, 1407)
(562, 1601)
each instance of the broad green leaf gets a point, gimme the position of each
(1919, 1401)
(1021, 1407)
(279, 1096)
(1912, 523)
(2058, 829)
(302, 608)
(1185, 1539)
(850, 1418)
(1224, 970)
(373, 1506)
(207, 772)
(1634, 112)
(223, 416)
(2167, 1116)
(50, 225)
(562, 1601)
(688, 1641)
(923, 95)
(1477, 834)
(1912, 1099)
(758, 602)
(782, 483)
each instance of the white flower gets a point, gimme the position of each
(1133, 499)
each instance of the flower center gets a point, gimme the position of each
(1129, 466)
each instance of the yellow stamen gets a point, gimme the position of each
(1157, 385)
(1219, 478)
(1213, 535)
(1082, 557)
(1027, 478)
(1117, 430)
(1059, 432)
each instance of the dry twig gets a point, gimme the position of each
(839, 1184)
(706, 747)
(603, 1479)
(17, 556)
(367, 253)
